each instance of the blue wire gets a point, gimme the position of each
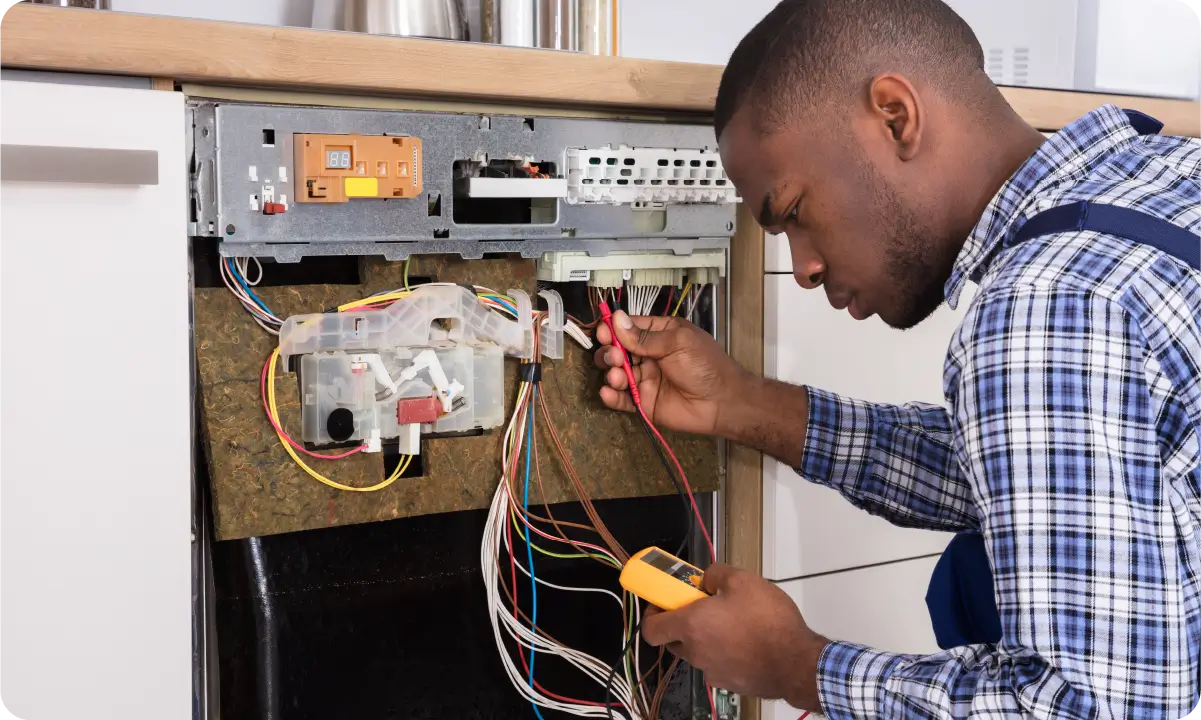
(529, 549)
(233, 270)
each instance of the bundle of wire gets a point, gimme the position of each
(516, 630)
(674, 470)
(234, 275)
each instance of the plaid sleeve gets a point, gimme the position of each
(1057, 429)
(896, 461)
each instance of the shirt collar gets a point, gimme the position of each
(1064, 158)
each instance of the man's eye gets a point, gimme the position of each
(794, 212)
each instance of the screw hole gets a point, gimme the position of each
(230, 229)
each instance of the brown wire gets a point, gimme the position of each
(581, 492)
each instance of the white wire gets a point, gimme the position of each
(696, 298)
(503, 621)
(264, 319)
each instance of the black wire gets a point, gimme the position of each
(625, 650)
(678, 485)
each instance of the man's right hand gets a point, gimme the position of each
(683, 375)
(688, 383)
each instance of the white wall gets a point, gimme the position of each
(1149, 46)
(698, 31)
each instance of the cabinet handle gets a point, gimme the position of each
(93, 166)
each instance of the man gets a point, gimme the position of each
(868, 132)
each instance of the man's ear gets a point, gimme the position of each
(895, 105)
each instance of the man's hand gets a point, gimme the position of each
(688, 383)
(684, 376)
(748, 638)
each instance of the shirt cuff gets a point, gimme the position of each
(838, 431)
(851, 680)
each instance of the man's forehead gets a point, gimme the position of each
(756, 163)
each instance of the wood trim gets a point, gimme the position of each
(744, 477)
(1050, 110)
(237, 54)
(162, 83)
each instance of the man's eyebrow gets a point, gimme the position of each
(765, 212)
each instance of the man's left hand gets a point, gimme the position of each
(748, 638)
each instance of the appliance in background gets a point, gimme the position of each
(1026, 42)
(581, 25)
(443, 19)
(588, 26)
(89, 4)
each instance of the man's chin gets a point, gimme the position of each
(906, 318)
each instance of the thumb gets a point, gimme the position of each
(717, 577)
(647, 336)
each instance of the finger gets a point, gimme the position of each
(617, 379)
(616, 400)
(651, 611)
(603, 336)
(717, 577)
(662, 628)
(650, 336)
(607, 356)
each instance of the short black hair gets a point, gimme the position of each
(805, 51)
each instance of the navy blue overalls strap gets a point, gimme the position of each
(962, 597)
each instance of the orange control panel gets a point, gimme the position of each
(337, 168)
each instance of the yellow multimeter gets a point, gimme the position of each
(662, 580)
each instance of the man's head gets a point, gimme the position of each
(860, 128)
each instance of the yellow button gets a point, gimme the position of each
(362, 187)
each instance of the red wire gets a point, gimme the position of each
(683, 477)
(286, 436)
(671, 292)
(803, 715)
(636, 396)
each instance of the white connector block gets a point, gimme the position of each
(608, 271)
(646, 176)
(659, 277)
(702, 276)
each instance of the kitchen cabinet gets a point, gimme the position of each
(96, 405)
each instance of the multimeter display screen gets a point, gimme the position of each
(678, 569)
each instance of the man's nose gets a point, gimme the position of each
(808, 269)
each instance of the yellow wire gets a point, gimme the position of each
(409, 258)
(683, 294)
(373, 300)
(400, 467)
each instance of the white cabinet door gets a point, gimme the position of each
(882, 607)
(95, 409)
(809, 529)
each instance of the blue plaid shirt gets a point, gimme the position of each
(1071, 439)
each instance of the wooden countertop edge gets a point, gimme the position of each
(219, 53)
(319, 60)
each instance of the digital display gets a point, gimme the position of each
(678, 569)
(337, 159)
